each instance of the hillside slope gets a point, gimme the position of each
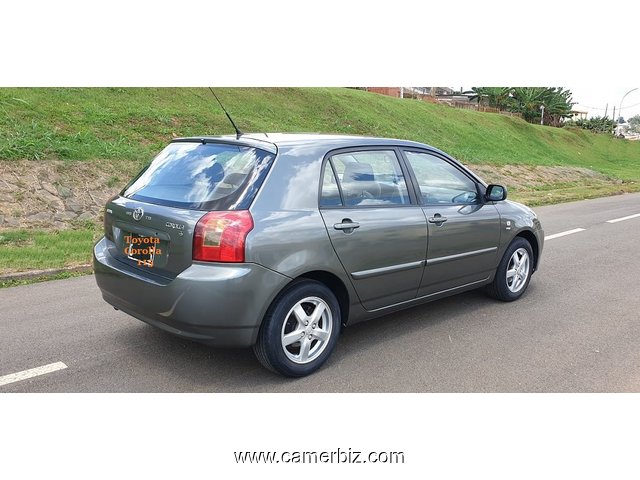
(134, 123)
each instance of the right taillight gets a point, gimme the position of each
(220, 236)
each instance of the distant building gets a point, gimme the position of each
(414, 92)
(577, 114)
(389, 91)
(444, 95)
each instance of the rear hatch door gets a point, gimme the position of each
(151, 223)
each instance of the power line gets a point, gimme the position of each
(590, 108)
(596, 108)
(631, 106)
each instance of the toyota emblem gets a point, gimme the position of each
(138, 213)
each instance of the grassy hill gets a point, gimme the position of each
(134, 123)
(63, 151)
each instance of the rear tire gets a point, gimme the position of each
(513, 273)
(300, 329)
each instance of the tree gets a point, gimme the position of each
(496, 97)
(557, 102)
(528, 101)
(634, 124)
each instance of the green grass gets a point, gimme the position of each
(38, 250)
(42, 278)
(132, 124)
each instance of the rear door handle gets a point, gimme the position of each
(347, 226)
(437, 218)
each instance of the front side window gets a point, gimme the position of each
(199, 175)
(367, 178)
(440, 182)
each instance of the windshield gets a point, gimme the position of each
(200, 176)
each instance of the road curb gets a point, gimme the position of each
(51, 272)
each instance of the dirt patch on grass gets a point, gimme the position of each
(530, 176)
(539, 185)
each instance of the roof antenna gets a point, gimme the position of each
(239, 132)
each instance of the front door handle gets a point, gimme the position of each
(437, 219)
(347, 226)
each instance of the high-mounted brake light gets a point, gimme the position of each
(220, 236)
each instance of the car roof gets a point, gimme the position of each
(274, 141)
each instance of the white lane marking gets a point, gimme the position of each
(32, 372)
(562, 234)
(622, 219)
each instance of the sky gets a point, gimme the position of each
(595, 100)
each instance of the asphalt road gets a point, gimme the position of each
(577, 329)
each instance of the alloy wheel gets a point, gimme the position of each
(306, 330)
(518, 270)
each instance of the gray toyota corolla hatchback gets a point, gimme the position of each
(278, 241)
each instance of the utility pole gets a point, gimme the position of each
(606, 109)
(614, 113)
(542, 116)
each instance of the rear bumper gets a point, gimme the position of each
(217, 304)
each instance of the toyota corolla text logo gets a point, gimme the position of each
(138, 213)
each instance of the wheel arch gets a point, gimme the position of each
(336, 285)
(529, 236)
(328, 279)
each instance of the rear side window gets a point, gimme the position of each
(365, 178)
(206, 176)
(330, 192)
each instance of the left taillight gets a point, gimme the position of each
(220, 236)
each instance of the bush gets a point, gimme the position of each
(594, 124)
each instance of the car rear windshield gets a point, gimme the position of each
(202, 176)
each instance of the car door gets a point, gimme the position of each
(376, 227)
(464, 232)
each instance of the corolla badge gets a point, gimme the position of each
(177, 226)
(138, 213)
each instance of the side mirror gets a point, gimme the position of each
(495, 193)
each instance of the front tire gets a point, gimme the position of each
(300, 330)
(513, 273)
